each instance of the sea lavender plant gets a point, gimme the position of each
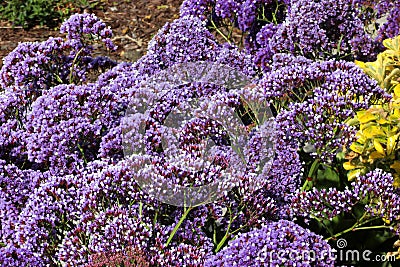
(261, 246)
(68, 192)
(318, 97)
(374, 192)
(66, 124)
(38, 66)
(316, 29)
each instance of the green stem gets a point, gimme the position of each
(372, 227)
(155, 218)
(219, 32)
(355, 227)
(178, 225)
(83, 153)
(237, 230)
(223, 240)
(58, 78)
(73, 64)
(215, 234)
(140, 209)
(311, 173)
(230, 32)
(274, 18)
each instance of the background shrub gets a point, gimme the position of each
(28, 13)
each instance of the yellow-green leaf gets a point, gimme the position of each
(396, 113)
(383, 121)
(369, 124)
(396, 90)
(360, 113)
(354, 174)
(352, 122)
(396, 182)
(391, 143)
(392, 76)
(394, 118)
(396, 166)
(358, 148)
(362, 139)
(367, 117)
(348, 166)
(379, 147)
(376, 155)
(394, 130)
(372, 131)
(392, 43)
(360, 64)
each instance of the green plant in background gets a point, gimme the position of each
(28, 13)
(377, 144)
(90, 4)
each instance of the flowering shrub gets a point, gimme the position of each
(377, 140)
(82, 138)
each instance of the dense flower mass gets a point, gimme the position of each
(222, 146)
(39, 66)
(66, 124)
(323, 28)
(260, 247)
(374, 191)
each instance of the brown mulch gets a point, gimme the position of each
(134, 23)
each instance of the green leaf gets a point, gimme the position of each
(358, 148)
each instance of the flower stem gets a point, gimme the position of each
(311, 173)
(219, 32)
(185, 214)
(73, 64)
(223, 240)
(82, 153)
(356, 227)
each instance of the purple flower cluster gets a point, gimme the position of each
(226, 9)
(261, 246)
(382, 16)
(12, 110)
(316, 99)
(249, 16)
(264, 51)
(84, 166)
(65, 215)
(38, 66)
(391, 27)
(80, 25)
(66, 125)
(374, 191)
(188, 40)
(315, 29)
(321, 27)
(197, 8)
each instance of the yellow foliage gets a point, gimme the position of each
(385, 70)
(377, 144)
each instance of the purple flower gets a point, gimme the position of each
(373, 191)
(282, 243)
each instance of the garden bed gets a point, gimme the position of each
(228, 133)
(133, 24)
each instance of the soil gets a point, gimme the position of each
(134, 23)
